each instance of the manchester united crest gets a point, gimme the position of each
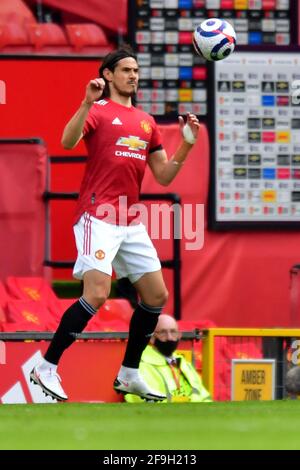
(100, 254)
(145, 125)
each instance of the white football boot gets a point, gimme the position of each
(137, 386)
(49, 381)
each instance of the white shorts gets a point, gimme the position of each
(102, 246)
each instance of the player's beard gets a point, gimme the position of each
(127, 94)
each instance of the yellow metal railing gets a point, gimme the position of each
(209, 346)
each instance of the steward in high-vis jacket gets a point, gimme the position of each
(173, 376)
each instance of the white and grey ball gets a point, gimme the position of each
(214, 39)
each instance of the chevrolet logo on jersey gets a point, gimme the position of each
(132, 142)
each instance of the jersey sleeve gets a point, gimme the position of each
(91, 121)
(156, 139)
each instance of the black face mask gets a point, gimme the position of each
(166, 348)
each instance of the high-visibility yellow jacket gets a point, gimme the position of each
(180, 383)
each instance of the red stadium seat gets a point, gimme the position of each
(87, 37)
(14, 37)
(48, 37)
(20, 326)
(2, 314)
(3, 302)
(33, 312)
(114, 315)
(15, 11)
(3, 295)
(36, 289)
(29, 288)
(115, 309)
(64, 304)
(33, 297)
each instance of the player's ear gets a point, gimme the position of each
(107, 74)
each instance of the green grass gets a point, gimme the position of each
(239, 425)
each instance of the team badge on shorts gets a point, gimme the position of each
(145, 125)
(99, 254)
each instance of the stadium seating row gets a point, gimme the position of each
(30, 304)
(82, 38)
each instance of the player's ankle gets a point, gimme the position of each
(128, 373)
(46, 365)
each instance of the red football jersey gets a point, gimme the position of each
(119, 140)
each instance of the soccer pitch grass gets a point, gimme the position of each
(150, 426)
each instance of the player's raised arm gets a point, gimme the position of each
(73, 131)
(165, 170)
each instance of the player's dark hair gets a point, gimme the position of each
(110, 62)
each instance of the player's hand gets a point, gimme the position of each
(189, 129)
(94, 90)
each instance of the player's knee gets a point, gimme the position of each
(165, 297)
(97, 296)
(160, 298)
(100, 297)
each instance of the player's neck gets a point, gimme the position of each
(123, 100)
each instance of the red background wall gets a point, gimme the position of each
(41, 95)
(236, 279)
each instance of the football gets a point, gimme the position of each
(214, 39)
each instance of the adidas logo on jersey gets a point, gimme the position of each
(117, 122)
(101, 102)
